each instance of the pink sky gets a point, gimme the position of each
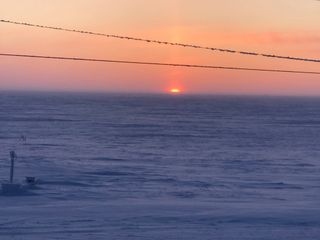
(285, 27)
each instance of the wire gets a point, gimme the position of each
(157, 63)
(167, 43)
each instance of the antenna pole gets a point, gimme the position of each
(12, 156)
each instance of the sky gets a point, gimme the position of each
(285, 27)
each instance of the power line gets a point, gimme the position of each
(248, 53)
(157, 63)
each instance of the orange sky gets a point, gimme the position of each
(286, 27)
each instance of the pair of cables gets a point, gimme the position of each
(162, 43)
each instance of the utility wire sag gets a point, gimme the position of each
(157, 63)
(223, 50)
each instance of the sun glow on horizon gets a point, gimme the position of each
(175, 90)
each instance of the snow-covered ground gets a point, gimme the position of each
(161, 167)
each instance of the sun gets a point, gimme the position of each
(175, 90)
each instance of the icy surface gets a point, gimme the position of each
(161, 167)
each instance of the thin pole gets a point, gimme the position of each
(12, 156)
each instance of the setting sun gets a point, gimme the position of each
(175, 90)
